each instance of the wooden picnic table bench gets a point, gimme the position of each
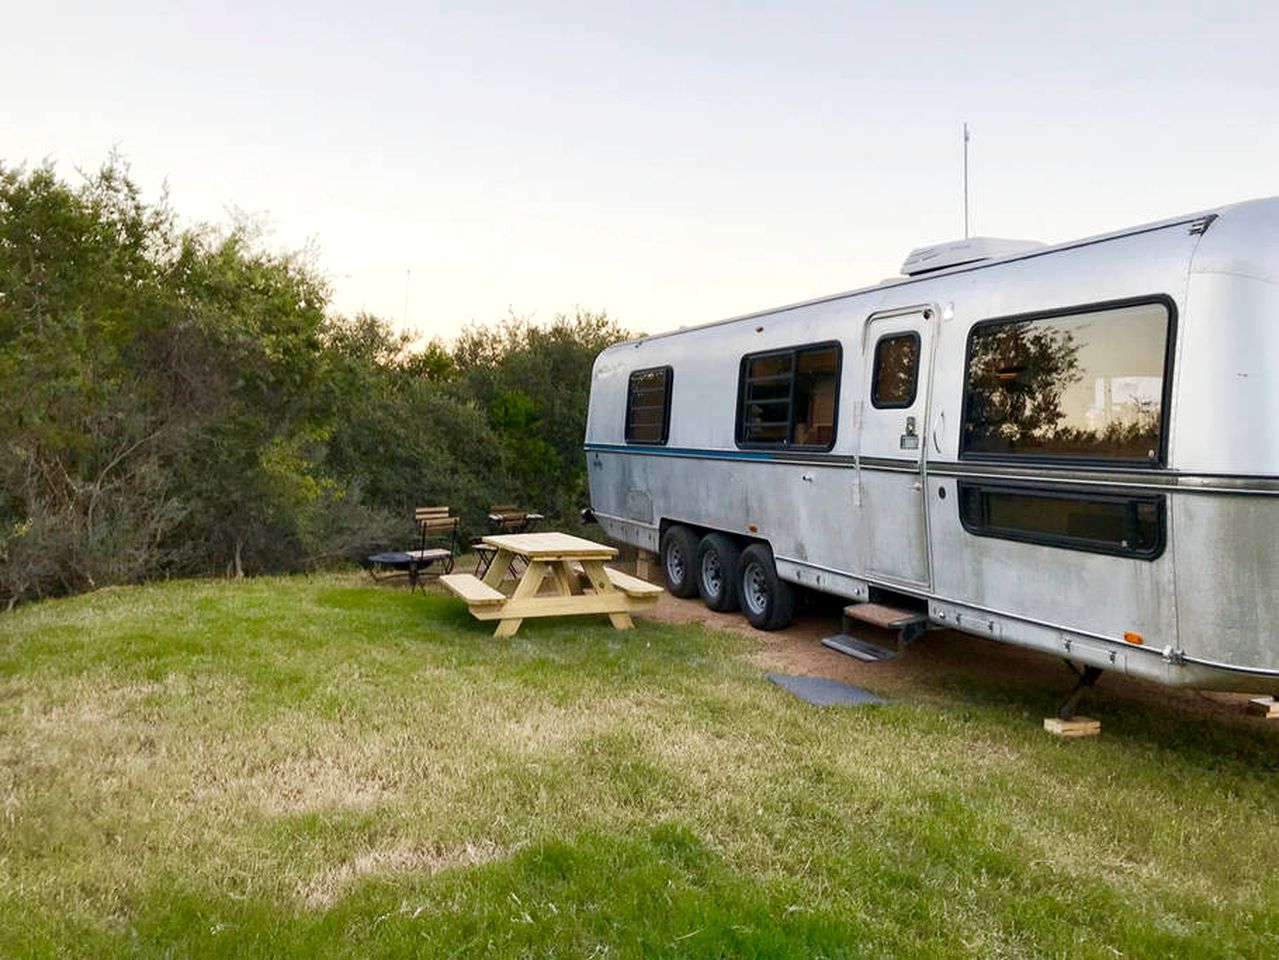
(568, 561)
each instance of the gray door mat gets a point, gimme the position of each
(823, 691)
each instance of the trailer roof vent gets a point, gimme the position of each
(939, 256)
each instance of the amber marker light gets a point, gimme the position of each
(752, 528)
(1131, 637)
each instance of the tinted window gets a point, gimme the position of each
(648, 406)
(896, 370)
(1084, 520)
(788, 398)
(1084, 385)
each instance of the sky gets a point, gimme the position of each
(669, 163)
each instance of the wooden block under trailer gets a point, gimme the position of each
(1078, 727)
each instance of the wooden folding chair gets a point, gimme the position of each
(503, 518)
(437, 528)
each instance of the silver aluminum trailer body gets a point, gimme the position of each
(881, 507)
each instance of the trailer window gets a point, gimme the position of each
(648, 406)
(896, 376)
(1083, 385)
(1111, 522)
(789, 398)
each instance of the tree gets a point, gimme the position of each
(179, 401)
(81, 291)
(535, 384)
(160, 409)
(404, 434)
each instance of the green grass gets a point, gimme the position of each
(318, 767)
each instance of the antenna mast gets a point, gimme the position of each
(966, 232)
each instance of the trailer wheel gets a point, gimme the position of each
(717, 557)
(679, 557)
(767, 600)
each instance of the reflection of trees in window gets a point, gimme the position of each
(1016, 376)
(896, 370)
(1132, 436)
(1029, 383)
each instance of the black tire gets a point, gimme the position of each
(717, 572)
(679, 558)
(767, 600)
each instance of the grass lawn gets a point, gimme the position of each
(320, 767)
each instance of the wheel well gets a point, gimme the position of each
(877, 594)
(804, 594)
(742, 540)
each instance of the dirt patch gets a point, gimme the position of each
(934, 663)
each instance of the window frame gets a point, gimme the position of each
(874, 373)
(1059, 492)
(793, 352)
(666, 405)
(1160, 460)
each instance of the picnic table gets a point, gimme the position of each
(572, 564)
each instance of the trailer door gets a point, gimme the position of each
(894, 409)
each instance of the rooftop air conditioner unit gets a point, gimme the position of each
(955, 253)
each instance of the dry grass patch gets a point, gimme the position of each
(325, 888)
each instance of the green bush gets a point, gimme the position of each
(180, 401)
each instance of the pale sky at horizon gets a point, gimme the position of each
(670, 164)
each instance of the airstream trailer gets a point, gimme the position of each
(1073, 448)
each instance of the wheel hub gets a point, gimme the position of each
(675, 564)
(755, 589)
(712, 574)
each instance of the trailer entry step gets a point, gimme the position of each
(861, 649)
(906, 624)
(887, 618)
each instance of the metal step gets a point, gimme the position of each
(906, 624)
(861, 649)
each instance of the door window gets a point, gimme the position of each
(896, 374)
